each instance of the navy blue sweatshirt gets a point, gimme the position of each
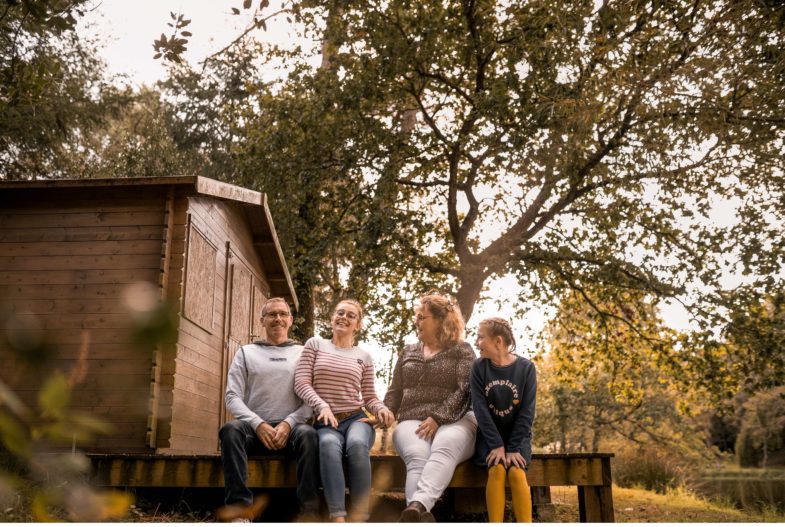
(503, 399)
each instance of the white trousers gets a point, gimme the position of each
(430, 465)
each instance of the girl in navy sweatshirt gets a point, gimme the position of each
(504, 388)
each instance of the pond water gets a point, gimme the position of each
(746, 488)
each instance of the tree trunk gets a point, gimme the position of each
(471, 284)
(595, 440)
(562, 419)
(305, 329)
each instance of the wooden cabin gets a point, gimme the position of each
(70, 254)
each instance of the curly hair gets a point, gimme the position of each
(451, 326)
(498, 327)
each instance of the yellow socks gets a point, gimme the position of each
(521, 494)
(494, 493)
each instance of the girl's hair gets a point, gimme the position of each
(355, 303)
(451, 325)
(498, 327)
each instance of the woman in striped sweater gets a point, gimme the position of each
(336, 378)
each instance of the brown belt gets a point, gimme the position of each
(340, 416)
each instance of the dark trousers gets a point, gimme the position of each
(238, 441)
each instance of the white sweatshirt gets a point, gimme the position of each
(260, 385)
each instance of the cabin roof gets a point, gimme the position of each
(254, 204)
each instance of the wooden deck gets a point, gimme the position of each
(591, 473)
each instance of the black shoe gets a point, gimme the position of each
(414, 513)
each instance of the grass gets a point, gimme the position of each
(644, 506)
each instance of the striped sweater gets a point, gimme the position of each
(341, 378)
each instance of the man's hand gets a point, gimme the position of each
(515, 459)
(495, 457)
(266, 435)
(282, 432)
(427, 429)
(326, 416)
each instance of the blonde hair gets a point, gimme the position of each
(355, 303)
(498, 327)
(450, 330)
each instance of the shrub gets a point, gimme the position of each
(647, 467)
(747, 455)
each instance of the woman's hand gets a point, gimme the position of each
(427, 429)
(326, 416)
(496, 456)
(385, 417)
(515, 459)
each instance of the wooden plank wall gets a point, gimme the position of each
(66, 256)
(162, 377)
(199, 367)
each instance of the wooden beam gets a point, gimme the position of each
(217, 189)
(270, 471)
(112, 182)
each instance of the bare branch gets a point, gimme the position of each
(254, 25)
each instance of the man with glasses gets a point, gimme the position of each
(269, 417)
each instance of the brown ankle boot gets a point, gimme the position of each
(413, 513)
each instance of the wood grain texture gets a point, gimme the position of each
(80, 219)
(240, 318)
(275, 471)
(200, 280)
(257, 329)
(77, 276)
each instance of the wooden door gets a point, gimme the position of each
(238, 319)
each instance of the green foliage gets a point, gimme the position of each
(38, 480)
(755, 336)
(604, 376)
(747, 355)
(52, 87)
(171, 48)
(573, 146)
(51, 486)
(136, 140)
(746, 453)
(647, 467)
(337, 210)
(557, 141)
(53, 399)
(762, 430)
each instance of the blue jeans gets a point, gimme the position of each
(239, 440)
(353, 440)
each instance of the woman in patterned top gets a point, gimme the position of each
(336, 379)
(430, 395)
(504, 389)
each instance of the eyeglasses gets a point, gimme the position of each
(349, 315)
(278, 314)
(420, 317)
